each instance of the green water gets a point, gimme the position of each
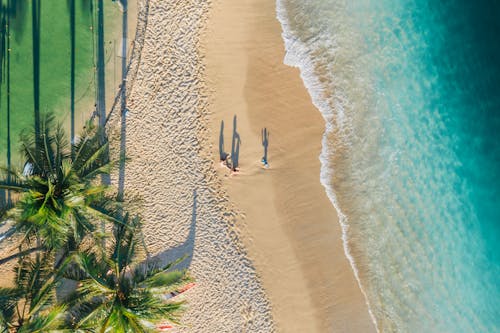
(409, 90)
(55, 35)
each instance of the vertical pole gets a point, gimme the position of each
(8, 98)
(72, 75)
(123, 106)
(35, 15)
(101, 94)
(101, 82)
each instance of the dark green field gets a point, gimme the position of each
(53, 27)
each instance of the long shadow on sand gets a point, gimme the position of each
(235, 146)
(222, 152)
(186, 249)
(265, 143)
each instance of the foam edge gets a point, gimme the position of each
(296, 59)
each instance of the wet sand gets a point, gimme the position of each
(264, 245)
(289, 225)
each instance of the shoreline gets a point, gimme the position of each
(289, 226)
(263, 244)
(311, 80)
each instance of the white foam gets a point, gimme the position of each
(297, 55)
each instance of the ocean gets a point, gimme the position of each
(410, 94)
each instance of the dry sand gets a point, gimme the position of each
(192, 205)
(290, 228)
(170, 179)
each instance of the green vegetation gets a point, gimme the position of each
(78, 257)
(56, 211)
(59, 197)
(119, 294)
(56, 51)
(30, 306)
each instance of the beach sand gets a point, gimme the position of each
(170, 179)
(264, 245)
(290, 228)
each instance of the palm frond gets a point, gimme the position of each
(104, 169)
(21, 254)
(87, 315)
(149, 269)
(92, 162)
(151, 308)
(167, 280)
(52, 321)
(97, 275)
(8, 300)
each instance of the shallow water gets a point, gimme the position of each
(410, 93)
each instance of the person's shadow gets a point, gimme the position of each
(235, 146)
(222, 152)
(265, 143)
(236, 153)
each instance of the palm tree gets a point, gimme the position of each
(58, 198)
(29, 305)
(116, 293)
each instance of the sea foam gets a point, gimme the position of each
(410, 156)
(297, 54)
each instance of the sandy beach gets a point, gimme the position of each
(289, 225)
(169, 178)
(264, 244)
(232, 168)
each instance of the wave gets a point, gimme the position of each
(408, 154)
(297, 54)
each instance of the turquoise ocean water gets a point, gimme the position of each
(410, 93)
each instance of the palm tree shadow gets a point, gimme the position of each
(186, 249)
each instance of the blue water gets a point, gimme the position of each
(410, 93)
